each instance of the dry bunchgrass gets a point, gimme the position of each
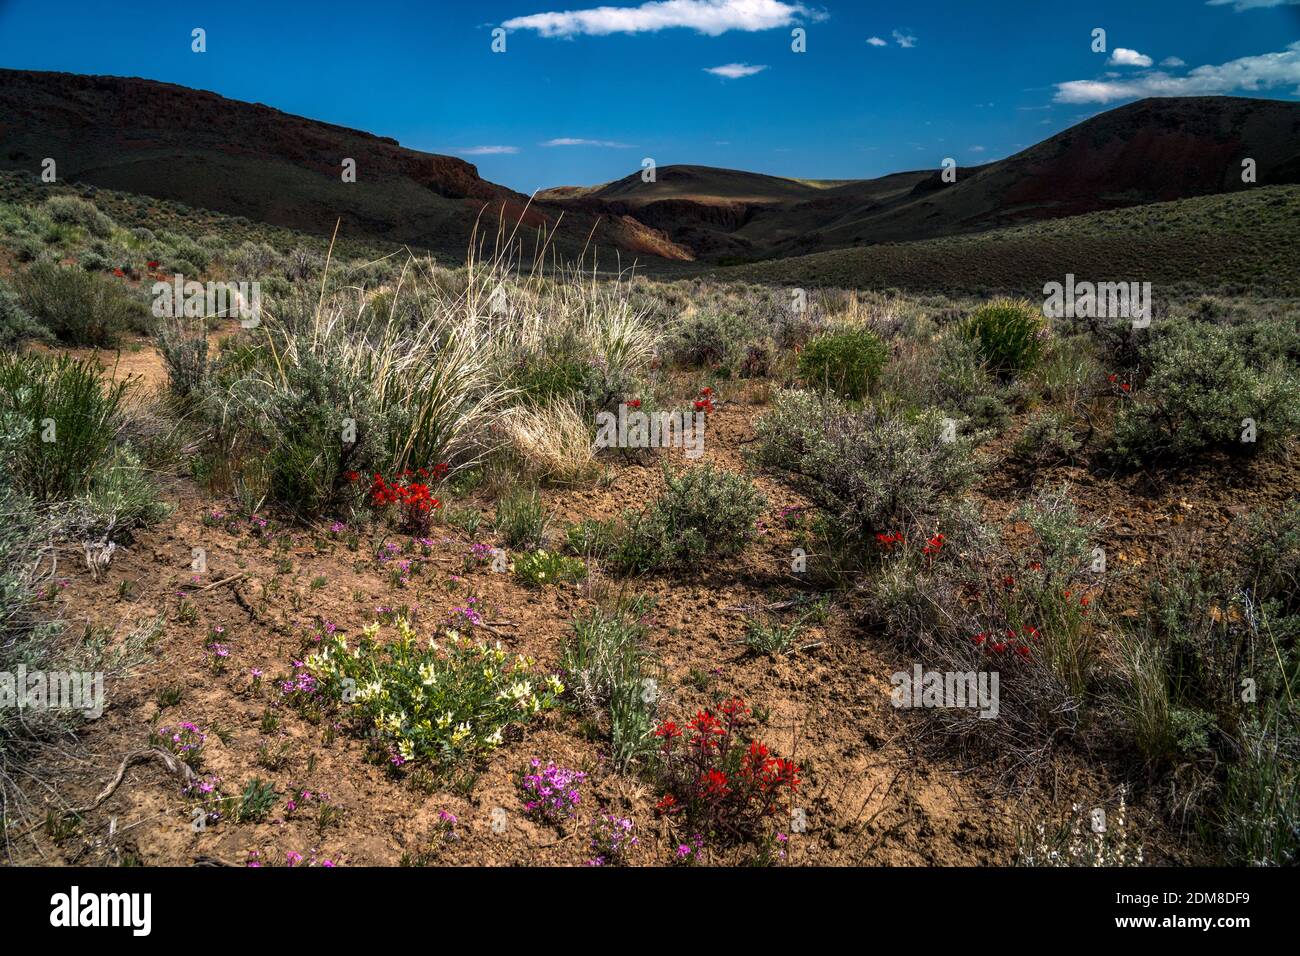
(552, 442)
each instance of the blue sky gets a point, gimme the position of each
(881, 87)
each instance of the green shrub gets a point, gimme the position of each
(539, 568)
(847, 362)
(874, 472)
(80, 308)
(27, 634)
(70, 417)
(122, 496)
(705, 512)
(16, 326)
(1048, 439)
(75, 211)
(284, 437)
(713, 339)
(1198, 396)
(1008, 334)
(448, 702)
(184, 349)
(591, 537)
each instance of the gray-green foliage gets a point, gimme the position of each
(872, 471)
(704, 512)
(16, 325)
(1205, 382)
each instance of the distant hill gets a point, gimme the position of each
(1154, 150)
(246, 159)
(1231, 243)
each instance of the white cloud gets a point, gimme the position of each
(710, 17)
(734, 71)
(1126, 57)
(1239, 5)
(1173, 61)
(876, 41)
(572, 141)
(976, 149)
(905, 40)
(1248, 74)
(486, 150)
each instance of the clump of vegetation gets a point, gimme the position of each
(67, 419)
(714, 339)
(719, 780)
(16, 324)
(1210, 677)
(1049, 438)
(1008, 333)
(521, 519)
(1207, 391)
(704, 512)
(78, 307)
(541, 567)
(845, 361)
(873, 471)
(609, 675)
(447, 702)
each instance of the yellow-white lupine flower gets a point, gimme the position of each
(460, 733)
(427, 674)
(444, 721)
(405, 748)
(370, 630)
(404, 629)
(554, 684)
(495, 739)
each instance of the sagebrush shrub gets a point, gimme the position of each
(846, 361)
(75, 211)
(184, 350)
(714, 339)
(16, 325)
(80, 308)
(1199, 395)
(1008, 333)
(284, 434)
(704, 512)
(873, 471)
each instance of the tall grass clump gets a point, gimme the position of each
(69, 417)
(607, 670)
(412, 386)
